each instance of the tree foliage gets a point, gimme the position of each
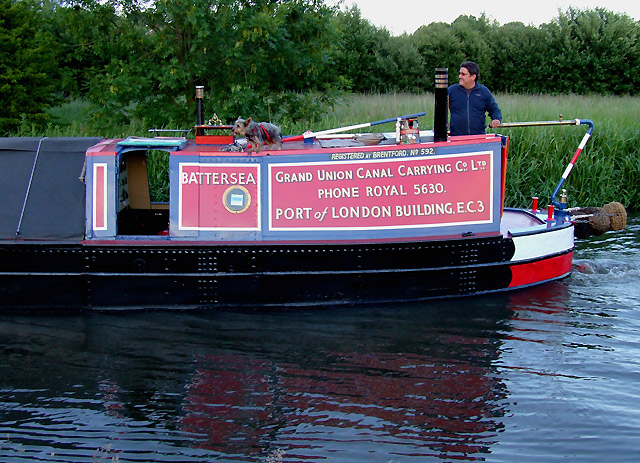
(27, 64)
(139, 60)
(251, 56)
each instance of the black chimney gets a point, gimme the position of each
(199, 108)
(441, 113)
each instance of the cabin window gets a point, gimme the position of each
(143, 193)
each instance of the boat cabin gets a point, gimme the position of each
(325, 189)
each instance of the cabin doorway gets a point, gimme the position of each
(143, 193)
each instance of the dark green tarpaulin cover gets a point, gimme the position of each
(41, 195)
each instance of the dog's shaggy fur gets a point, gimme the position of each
(258, 134)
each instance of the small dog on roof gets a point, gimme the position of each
(258, 133)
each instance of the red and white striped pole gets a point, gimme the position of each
(567, 171)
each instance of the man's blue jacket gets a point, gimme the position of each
(468, 109)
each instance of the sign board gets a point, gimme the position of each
(316, 195)
(415, 192)
(219, 196)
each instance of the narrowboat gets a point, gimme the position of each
(331, 218)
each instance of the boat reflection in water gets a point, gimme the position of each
(364, 384)
(404, 382)
(418, 388)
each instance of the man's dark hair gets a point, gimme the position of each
(472, 67)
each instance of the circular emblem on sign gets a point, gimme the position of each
(236, 199)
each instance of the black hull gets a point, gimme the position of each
(149, 275)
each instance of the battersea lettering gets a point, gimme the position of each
(218, 178)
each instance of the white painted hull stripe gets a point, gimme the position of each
(539, 245)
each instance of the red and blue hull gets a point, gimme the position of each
(155, 274)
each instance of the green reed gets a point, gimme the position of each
(608, 168)
(158, 173)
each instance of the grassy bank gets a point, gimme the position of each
(607, 170)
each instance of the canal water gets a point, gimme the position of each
(547, 374)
